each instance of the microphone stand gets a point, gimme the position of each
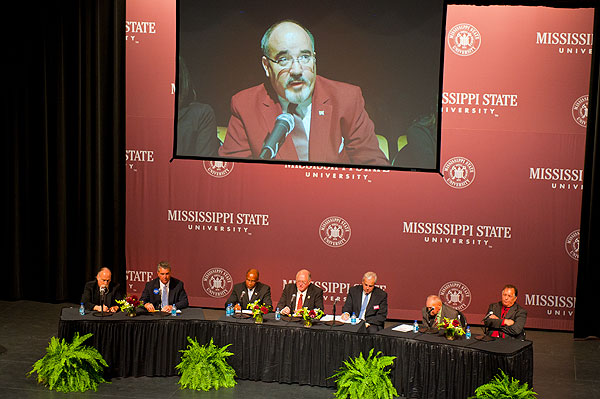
(333, 320)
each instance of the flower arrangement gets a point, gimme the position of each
(258, 310)
(309, 316)
(452, 327)
(130, 304)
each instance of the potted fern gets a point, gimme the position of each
(70, 367)
(203, 367)
(361, 378)
(504, 387)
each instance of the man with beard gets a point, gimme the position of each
(329, 118)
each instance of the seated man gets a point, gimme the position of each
(506, 319)
(303, 294)
(164, 291)
(94, 291)
(368, 302)
(435, 311)
(249, 291)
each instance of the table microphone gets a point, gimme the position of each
(491, 312)
(284, 124)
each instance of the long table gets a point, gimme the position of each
(427, 366)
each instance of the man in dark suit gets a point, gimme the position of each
(435, 311)
(367, 302)
(302, 294)
(331, 123)
(164, 291)
(506, 319)
(101, 286)
(249, 291)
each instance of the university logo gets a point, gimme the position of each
(464, 39)
(456, 295)
(217, 282)
(335, 231)
(572, 244)
(580, 110)
(218, 169)
(459, 172)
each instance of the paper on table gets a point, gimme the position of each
(337, 318)
(247, 311)
(403, 328)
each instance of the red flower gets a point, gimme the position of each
(312, 314)
(455, 323)
(256, 307)
(136, 303)
(264, 309)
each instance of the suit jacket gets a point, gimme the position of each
(338, 115)
(377, 308)
(429, 321)
(177, 295)
(515, 313)
(91, 295)
(313, 298)
(239, 295)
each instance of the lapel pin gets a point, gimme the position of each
(321, 112)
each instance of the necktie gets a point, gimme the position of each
(299, 134)
(165, 297)
(299, 306)
(363, 308)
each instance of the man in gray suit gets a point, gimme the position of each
(435, 311)
(368, 302)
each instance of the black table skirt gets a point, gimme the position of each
(426, 366)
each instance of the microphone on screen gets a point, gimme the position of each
(284, 124)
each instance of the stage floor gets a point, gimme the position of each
(564, 368)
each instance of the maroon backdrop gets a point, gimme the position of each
(506, 209)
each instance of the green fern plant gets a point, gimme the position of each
(70, 367)
(361, 378)
(203, 367)
(504, 387)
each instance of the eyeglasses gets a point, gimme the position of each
(287, 61)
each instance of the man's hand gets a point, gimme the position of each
(102, 308)
(167, 308)
(149, 307)
(285, 311)
(493, 316)
(345, 316)
(508, 322)
(114, 309)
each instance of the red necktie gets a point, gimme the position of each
(299, 306)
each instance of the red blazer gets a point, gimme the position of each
(338, 111)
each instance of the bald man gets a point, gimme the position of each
(301, 294)
(435, 311)
(102, 285)
(249, 291)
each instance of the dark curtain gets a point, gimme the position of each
(587, 322)
(64, 143)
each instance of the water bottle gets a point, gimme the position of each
(229, 310)
(81, 309)
(174, 310)
(415, 327)
(468, 333)
(277, 315)
(353, 318)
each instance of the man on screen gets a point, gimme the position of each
(100, 294)
(435, 311)
(367, 302)
(302, 294)
(506, 319)
(249, 291)
(330, 121)
(164, 291)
